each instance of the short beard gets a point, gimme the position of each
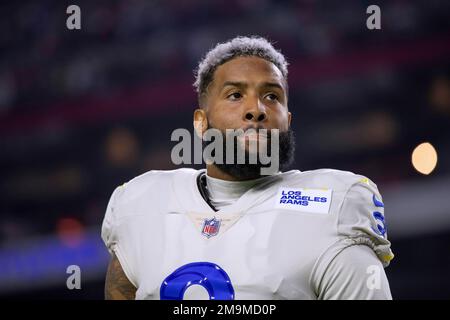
(248, 171)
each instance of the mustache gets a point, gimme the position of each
(255, 128)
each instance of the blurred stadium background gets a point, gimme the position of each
(83, 111)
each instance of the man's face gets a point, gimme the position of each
(247, 92)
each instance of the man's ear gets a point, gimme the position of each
(289, 118)
(200, 122)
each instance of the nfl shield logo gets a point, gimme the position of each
(211, 227)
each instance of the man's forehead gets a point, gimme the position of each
(248, 69)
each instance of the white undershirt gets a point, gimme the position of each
(223, 193)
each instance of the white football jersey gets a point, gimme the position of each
(275, 242)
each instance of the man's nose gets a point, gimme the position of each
(255, 112)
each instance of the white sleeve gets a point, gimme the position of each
(116, 236)
(110, 221)
(360, 229)
(361, 220)
(355, 273)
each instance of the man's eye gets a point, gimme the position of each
(272, 97)
(234, 96)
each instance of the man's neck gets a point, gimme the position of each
(215, 172)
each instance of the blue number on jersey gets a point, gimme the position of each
(381, 226)
(209, 275)
(379, 217)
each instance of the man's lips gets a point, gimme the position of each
(254, 136)
(252, 133)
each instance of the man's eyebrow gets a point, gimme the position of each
(273, 84)
(234, 84)
(244, 84)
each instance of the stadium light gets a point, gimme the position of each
(424, 158)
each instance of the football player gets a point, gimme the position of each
(230, 232)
